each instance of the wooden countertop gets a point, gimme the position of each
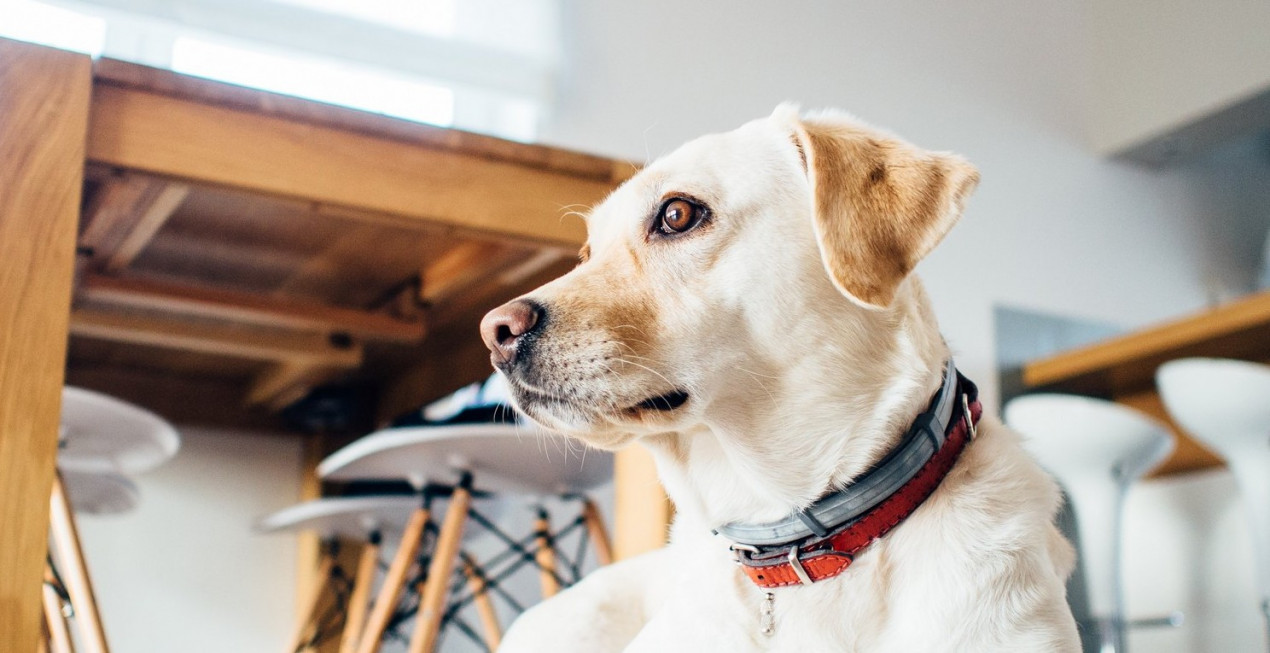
(1123, 368)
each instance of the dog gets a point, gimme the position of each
(744, 308)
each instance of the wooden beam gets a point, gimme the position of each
(166, 82)
(124, 216)
(44, 100)
(465, 263)
(248, 308)
(218, 340)
(201, 142)
(288, 382)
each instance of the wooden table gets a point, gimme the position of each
(1123, 368)
(213, 253)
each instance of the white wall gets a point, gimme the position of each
(1054, 227)
(1165, 63)
(184, 572)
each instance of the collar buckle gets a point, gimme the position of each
(797, 566)
(739, 550)
(968, 416)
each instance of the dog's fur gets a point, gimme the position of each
(805, 347)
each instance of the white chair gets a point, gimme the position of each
(505, 459)
(1226, 405)
(353, 518)
(1096, 449)
(100, 494)
(100, 438)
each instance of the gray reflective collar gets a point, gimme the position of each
(923, 439)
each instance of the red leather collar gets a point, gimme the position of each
(818, 558)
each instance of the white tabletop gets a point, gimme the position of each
(351, 517)
(503, 458)
(100, 494)
(102, 434)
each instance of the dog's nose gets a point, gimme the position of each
(503, 328)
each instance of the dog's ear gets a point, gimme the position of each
(879, 204)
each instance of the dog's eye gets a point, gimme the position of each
(679, 215)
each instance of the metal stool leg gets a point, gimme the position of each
(359, 600)
(599, 535)
(394, 581)
(70, 559)
(437, 582)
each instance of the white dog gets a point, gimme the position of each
(744, 309)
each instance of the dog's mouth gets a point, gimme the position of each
(663, 403)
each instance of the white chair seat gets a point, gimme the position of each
(100, 494)
(1226, 405)
(1096, 449)
(100, 434)
(503, 458)
(349, 517)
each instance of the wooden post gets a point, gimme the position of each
(432, 599)
(545, 556)
(74, 570)
(597, 532)
(642, 511)
(44, 98)
(394, 580)
(304, 624)
(476, 584)
(359, 600)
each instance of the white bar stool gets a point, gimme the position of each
(1226, 405)
(1096, 449)
(495, 458)
(352, 518)
(89, 494)
(102, 436)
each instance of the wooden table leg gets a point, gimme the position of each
(484, 606)
(44, 102)
(305, 621)
(359, 600)
(545, 556)
(74, 570)
(437, 582)
(394, 581)
(598, 534)
(59, 635)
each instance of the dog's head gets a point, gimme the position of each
(719, 270)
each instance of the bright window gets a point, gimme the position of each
(333, 82)
(45, 24)
(479, 65)
(424, 16)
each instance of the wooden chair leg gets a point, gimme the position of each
(484, 606)
(595, 529)
(59, 635)
(432, 598)
(70, 562)
(308, 607)
(359, 600)
(545, 556)
(394, 581)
